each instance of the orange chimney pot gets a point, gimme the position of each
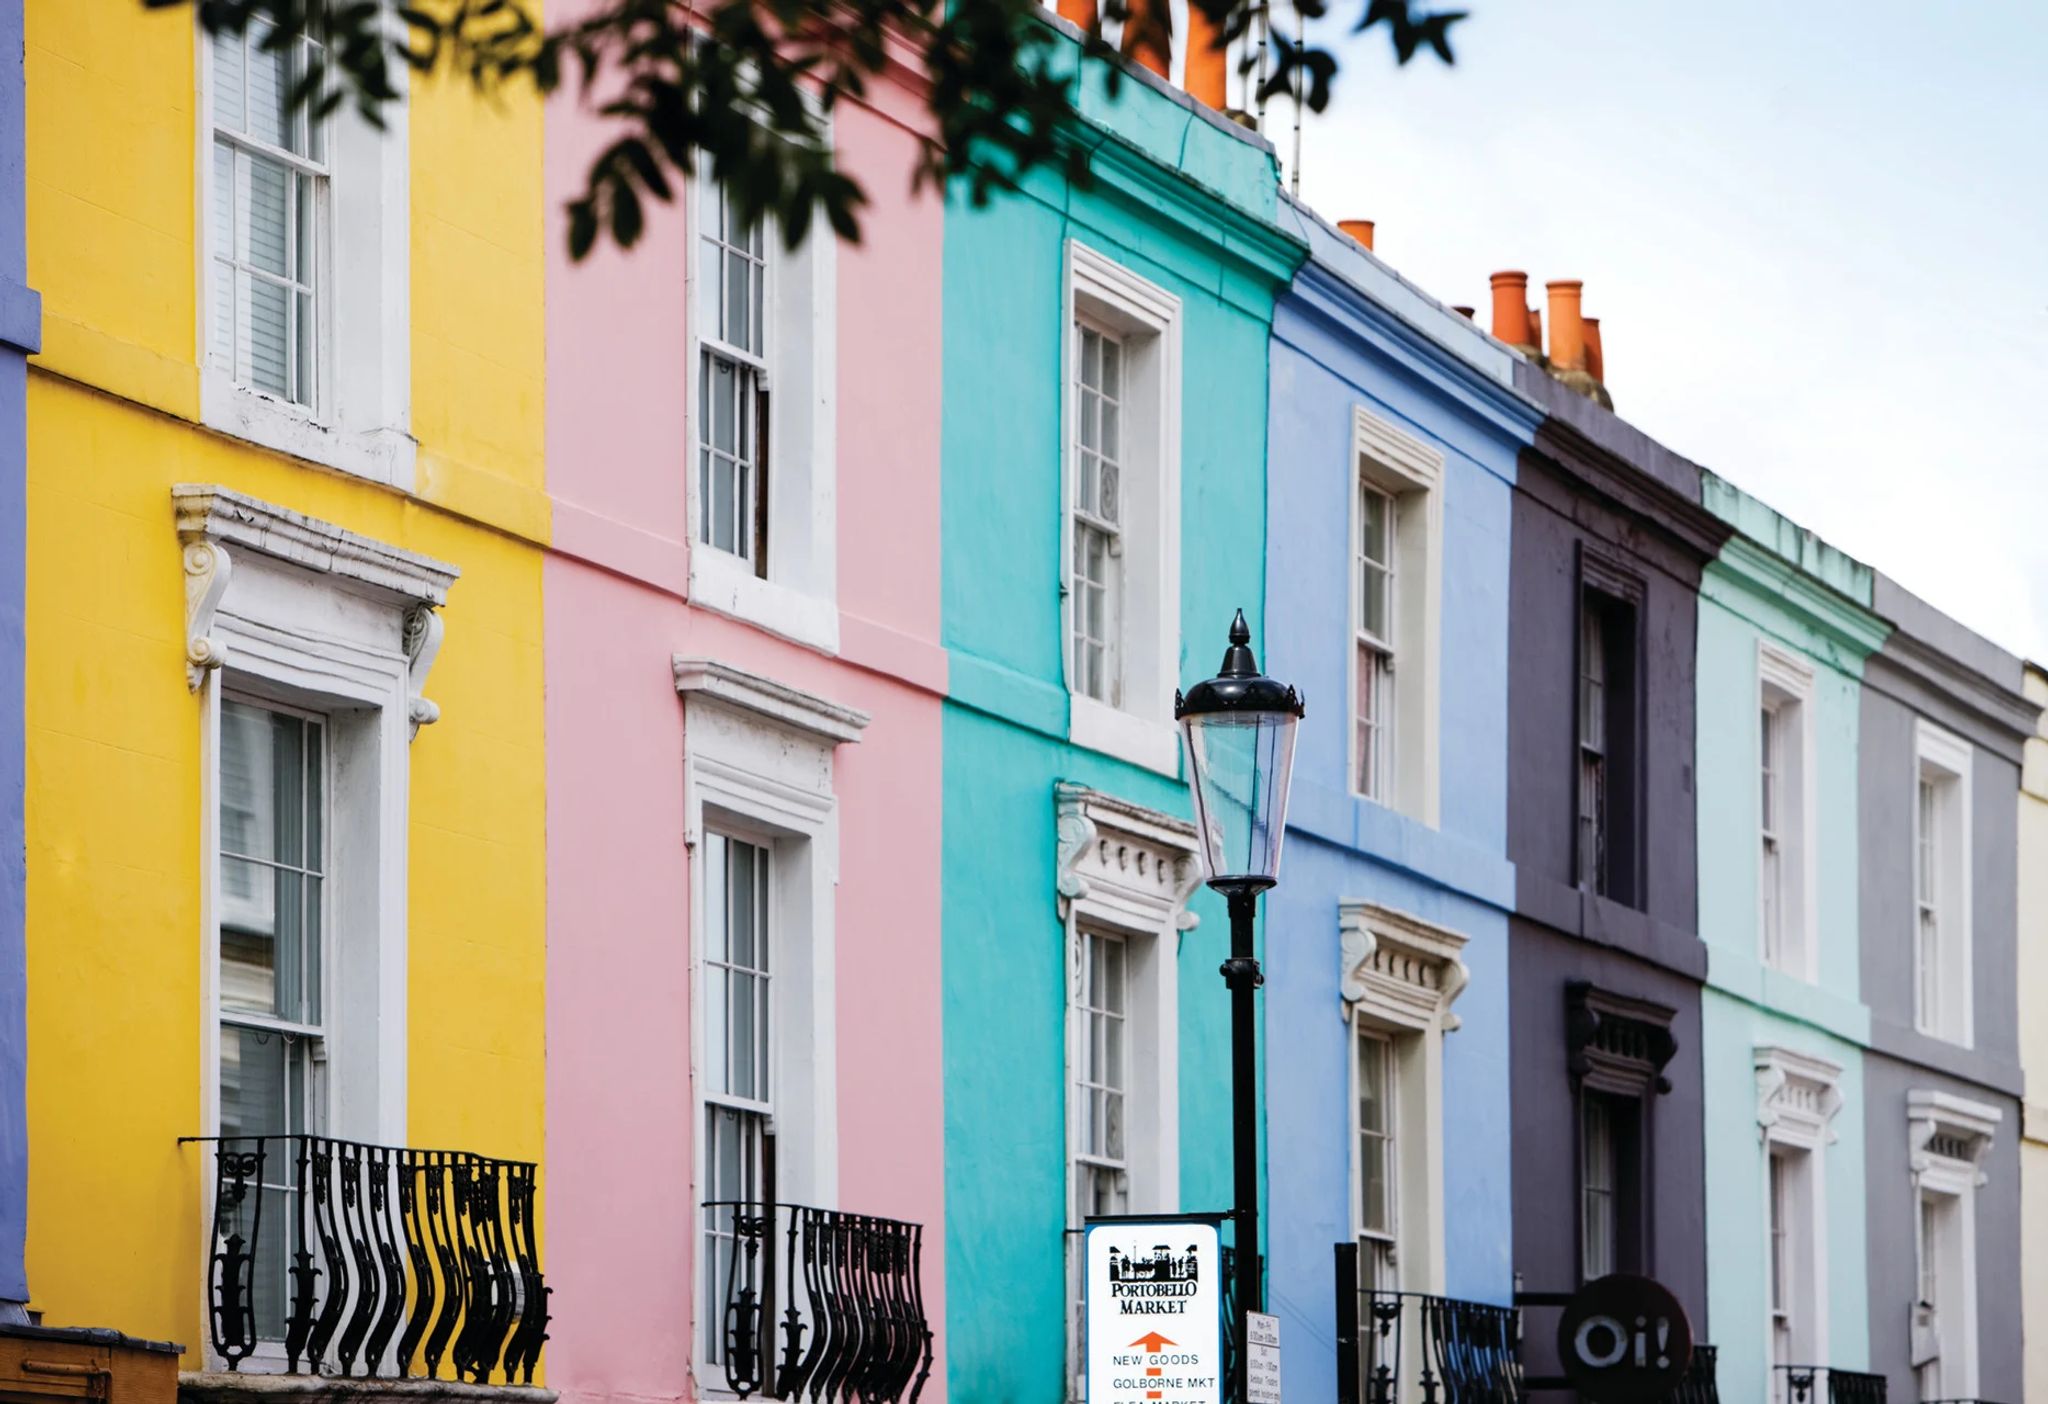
(1567, 329)
(1079, 13)
(1148, 36)
(1359, 229)
(1208, 63)
(1511, 309)
(1596, 363)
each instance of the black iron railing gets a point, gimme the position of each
(1699, 1385)
(346, 1255)
(1809, 1384)
(1438, 1350)
(818, 1305)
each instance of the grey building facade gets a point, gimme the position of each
(1942, 729)
(1605, 961)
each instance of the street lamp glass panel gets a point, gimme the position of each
(1240, 763)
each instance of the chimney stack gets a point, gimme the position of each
(1148, 36)
(1208, 62)
(1359, 229)
(1567, 331)
(1079, 13)
(1511, 319)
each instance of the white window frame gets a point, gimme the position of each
(1149, 319)
(1398, 976)
(1125, 870)
(287, 610)
(1948, 1138)
(798, 599)
(360, 421)
(1798, 1097)
(1785, 689)
(1947, 759)
(759, 765)
(1410, 471)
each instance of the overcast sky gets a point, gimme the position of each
(1816, 236)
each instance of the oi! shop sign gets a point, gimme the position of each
(1154, 1311)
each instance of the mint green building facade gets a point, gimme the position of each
(1082, 1004)
(1785, 625)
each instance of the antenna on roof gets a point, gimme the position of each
(1258, 73)
(1300, 39)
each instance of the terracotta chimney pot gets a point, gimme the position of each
(1148, 36)
(1596, 363)
(1359, 229)
(1208, 63)
(1511, 309)
(1536, 330)
(1079, 13)
(1567, 329)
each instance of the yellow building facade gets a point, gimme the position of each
(2033, 994)
(288, 472)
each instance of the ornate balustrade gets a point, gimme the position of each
(819, 1305)
(1699, 1385)
(1809, 1384)
(345, 1258)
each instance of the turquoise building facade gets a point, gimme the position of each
(1785, 626)
(1104, 513)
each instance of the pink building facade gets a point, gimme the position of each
(744, 729)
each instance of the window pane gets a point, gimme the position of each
(253, 1100)
(230, 81)
(270, 81)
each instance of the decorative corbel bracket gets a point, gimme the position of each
(1076, 835)
(1188, 877)
(207, 569)
(1355, 943)
(423, 630)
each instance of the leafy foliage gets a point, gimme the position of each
(746, 87)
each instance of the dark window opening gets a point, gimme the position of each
(1606, 847)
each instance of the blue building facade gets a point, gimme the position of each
(1394, 434)
(20, 337)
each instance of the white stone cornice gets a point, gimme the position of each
(1398, 968)
(209, 512)
(1125, 864)
(1948, 1136)
(812, 716)
(1797, 1096)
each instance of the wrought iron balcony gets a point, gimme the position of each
(1699, 1385)
(1436, 1350)
(338, 1254)
(819, 1305)
(1810, 1384)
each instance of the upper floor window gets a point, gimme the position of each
(1379, 1164)
(1785, 813)
(305, 286)
(1607, 839)
(272, 788)
(1396, 547)
(1120, 584)
(270, 191)
(762, 487)
(1941, 884)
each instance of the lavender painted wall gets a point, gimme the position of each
(1933, 667)
(1593, 486)
(20, 337)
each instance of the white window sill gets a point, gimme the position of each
(382, 455)
(725, 584)
(1143, 741)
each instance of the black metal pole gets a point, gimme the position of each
(1241, 973)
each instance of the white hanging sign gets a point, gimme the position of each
(1154, 1299)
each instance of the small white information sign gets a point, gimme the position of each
(1262, 1381)
(1154, 1313)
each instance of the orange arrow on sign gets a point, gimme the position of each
(1153, 1342)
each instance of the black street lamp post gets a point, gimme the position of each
(1238, 731)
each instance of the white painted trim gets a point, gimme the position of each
(236, 519)
(1139, 731)
(1791, 677)
(1943, 750)
(759, 764)
(1798, 1097)
(1931, 1113)
(361, 419)
(798, 599)
(1411, 471)
(1124, 869)
(821, 721)
(1399, 975)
